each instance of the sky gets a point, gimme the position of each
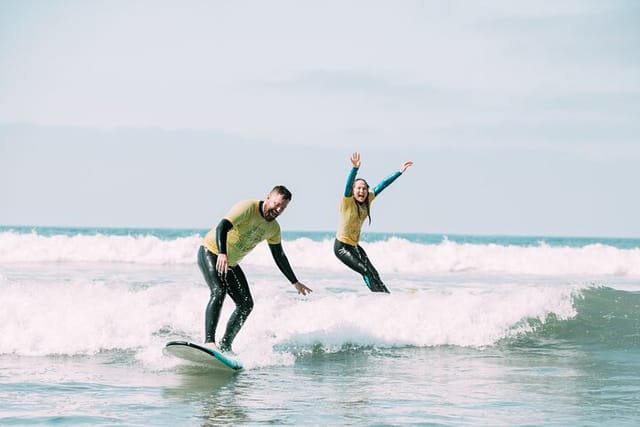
(521, 117)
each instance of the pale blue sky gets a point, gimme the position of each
(521, 116)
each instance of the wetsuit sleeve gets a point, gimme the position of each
(385, 182)
(221, 235)
(282, 262)
(348, 190)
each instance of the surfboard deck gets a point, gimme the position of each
(202, 355)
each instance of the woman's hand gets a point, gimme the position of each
(405, 165)
(355, 160)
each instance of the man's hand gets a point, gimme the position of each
(302, 289)
(222, 265)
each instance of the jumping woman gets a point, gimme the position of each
(355, 207)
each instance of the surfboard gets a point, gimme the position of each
(202, 355)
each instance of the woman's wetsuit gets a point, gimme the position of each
(356, 259)
(352, 216)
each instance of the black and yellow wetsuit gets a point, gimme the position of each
(352, 216)
(236, 235)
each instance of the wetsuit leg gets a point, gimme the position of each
(238, 290)
(218, 288)
(372, 274)
(356, 259)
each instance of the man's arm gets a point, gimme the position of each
(283, 264)
(222, 230)
(221, 235)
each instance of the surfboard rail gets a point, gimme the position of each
(201, 354)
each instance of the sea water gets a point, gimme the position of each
(477, 330)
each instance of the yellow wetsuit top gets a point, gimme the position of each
(249, 229)
(352, 216)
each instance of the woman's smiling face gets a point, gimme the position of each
(360, 190)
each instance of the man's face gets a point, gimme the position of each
(273, 206)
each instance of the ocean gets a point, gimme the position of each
(477, 330)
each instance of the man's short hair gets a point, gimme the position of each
(283, 191)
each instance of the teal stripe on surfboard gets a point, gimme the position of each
(201, 354)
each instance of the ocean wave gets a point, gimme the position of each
(77, 312)
(605, 317)
(392, 255)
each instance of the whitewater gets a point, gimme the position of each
(408, 254)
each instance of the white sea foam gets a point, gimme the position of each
(74, 312)
(84, 294)
(390, 255)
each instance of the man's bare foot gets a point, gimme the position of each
(212, 345)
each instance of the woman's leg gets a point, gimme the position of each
(372, 274)
(356, 259)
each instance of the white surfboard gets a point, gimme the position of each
(202, 355)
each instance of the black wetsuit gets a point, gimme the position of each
(234, 283)
(356, 259)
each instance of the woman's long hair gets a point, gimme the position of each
(366, 200)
